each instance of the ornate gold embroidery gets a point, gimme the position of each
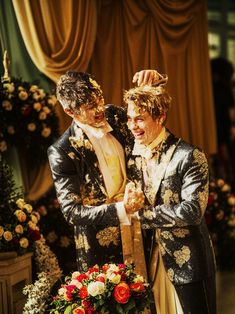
(200, 158)
(170, 274)
(75, 197)
(203, 198)
(82, 243)
(148, 214)
(180, 233)
(167, 235)
(169, 196)
(162, 248)
(182, 256)
(108, 235)
(72, 155)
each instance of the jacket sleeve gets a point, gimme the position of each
(192, 190)
(67, 180)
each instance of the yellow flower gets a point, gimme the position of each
(10, 87)
(115, 278)
(32, 225)
(7, 105)
(33, 88)
(7, 236)
(3, 146)
(64, 241)
(220, 182)
(28, 207)
(10, 129)
(31, 127)
(24, 243)
(231, 200)
(37, 106)
(42, 115)
(1, 231)
(46, 132)
(19, 229)
(34, 219)
(46, 109)
(21, 216)
(23, 95)
(226, 188)
(52, 100)
(20, 203)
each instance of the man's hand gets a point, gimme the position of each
(146, 77)
(133, 198)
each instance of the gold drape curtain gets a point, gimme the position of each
(114, 39)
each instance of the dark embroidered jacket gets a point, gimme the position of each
(176, 202)
(82, 195)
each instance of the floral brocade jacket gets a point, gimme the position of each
(82, 194)
(176, 199)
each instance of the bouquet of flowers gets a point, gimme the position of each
(220, 218)
(18, 222)
(28, 119)
(112, 288)
(59, 236)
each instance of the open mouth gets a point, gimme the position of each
(138, 135)
(100, 116)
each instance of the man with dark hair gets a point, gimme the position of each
(173, 176)
(88, 167)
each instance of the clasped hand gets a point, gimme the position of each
(133, 198)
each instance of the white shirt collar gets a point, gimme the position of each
(93, 131)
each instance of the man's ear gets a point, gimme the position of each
(69, 112)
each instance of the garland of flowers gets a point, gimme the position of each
(27, 118)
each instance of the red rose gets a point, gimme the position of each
(123, 276)
(105, 268)
(122, 293)
(93, 270)
(83, 292)
(100, 278)
(137, 287)
(81, 277)
(69, 291)
(122, 266)
(211, 199)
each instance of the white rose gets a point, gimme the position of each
(10, 87)
(139, 279)
(20, 203)
(95, 288)
(76, 283)
(75, 274)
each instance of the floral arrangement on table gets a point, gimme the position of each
(59, 236)
(220, 218)
(28, 119)
(111, 288)
(18, 221)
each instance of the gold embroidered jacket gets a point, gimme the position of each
(82, 195)
(176, 199)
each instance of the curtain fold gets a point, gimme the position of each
(59, 35)
(170, 36)
(114, 39)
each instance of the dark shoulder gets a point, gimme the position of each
(62, 142)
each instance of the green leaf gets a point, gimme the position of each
(68, 310)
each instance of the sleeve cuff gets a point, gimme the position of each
(122, 215)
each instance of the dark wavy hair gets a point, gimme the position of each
(76, 88)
